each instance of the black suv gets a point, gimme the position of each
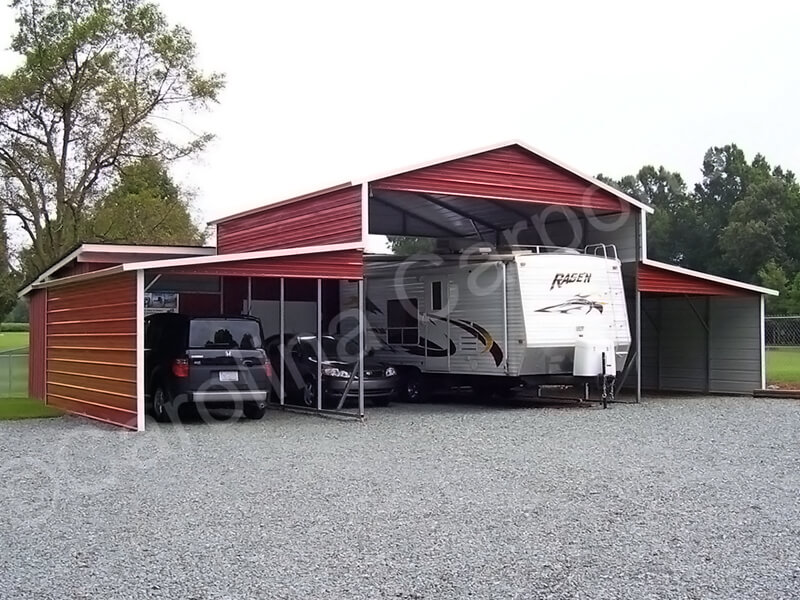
(213, 361)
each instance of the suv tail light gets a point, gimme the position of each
(268, 368)
(180, 367)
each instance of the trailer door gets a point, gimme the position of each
(436, 337)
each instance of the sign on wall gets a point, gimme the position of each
(160, 302)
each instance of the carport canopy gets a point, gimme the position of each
(90, 348)
(698, 332)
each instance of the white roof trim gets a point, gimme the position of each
(197, 260)
(76, 278)
(524, 146)
(224, 258)
(707, 277)
(122, 249)
(63, 262)
(155, 249)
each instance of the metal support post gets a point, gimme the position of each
(361, 337)
(638, 345)
(319, 344)
(282, 346)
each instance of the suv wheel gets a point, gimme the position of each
(161, 405)
(255, 410)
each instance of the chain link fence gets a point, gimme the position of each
(14, 373)
(782, 331)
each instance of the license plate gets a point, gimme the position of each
(229, 375)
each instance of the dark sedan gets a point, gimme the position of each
(340, 360)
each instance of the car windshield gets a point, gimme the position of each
(225, 333)
(333, 347)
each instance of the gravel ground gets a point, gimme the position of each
(674, 498)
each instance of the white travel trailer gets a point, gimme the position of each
(496, 320)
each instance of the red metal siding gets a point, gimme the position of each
(328, 218)
(91, 349)
(509, 173)
(653, 279)
(79, 268)
(347, 264)
(38, 344)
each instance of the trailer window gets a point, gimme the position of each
(402, 321)
(436, 295)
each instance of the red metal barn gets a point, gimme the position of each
(691, 331)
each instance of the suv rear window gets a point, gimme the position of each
(224, 333)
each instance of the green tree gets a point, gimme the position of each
(726, 178)
(8, 282)
(773, 276)
(407, 245)
(97, 79)
(742, 219)
(145, 207)
(19, 314)
(762, 224)
(671, 229)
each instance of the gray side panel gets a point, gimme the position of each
(516, 322)
(476, 296)
(619, 230)
(735, 344)
(577, 232)
(683, 343)
(650, 342)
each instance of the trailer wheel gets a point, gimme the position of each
(414, 388)
(482, 391)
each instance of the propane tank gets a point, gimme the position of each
(589, 356)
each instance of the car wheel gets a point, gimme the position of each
(255, 410)
(161, 405)
(415, 389)
(310, 392)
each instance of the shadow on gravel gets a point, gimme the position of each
(523, 400)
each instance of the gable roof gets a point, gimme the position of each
(587, 179)
(526, 148)
(684, 277)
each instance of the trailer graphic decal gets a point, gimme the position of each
(579, 302)
(434, 349)
(483, 336)
(431, 349)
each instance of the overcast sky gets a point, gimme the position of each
(324, 92)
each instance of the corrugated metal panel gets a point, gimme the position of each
(653, 279)
(620, 230)
(91, 349)
(79, 268)
(347, 264)
(506, 173)
(735, 359)
(37, 344)
(327, 218)
(683, 345)
(650, 339)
